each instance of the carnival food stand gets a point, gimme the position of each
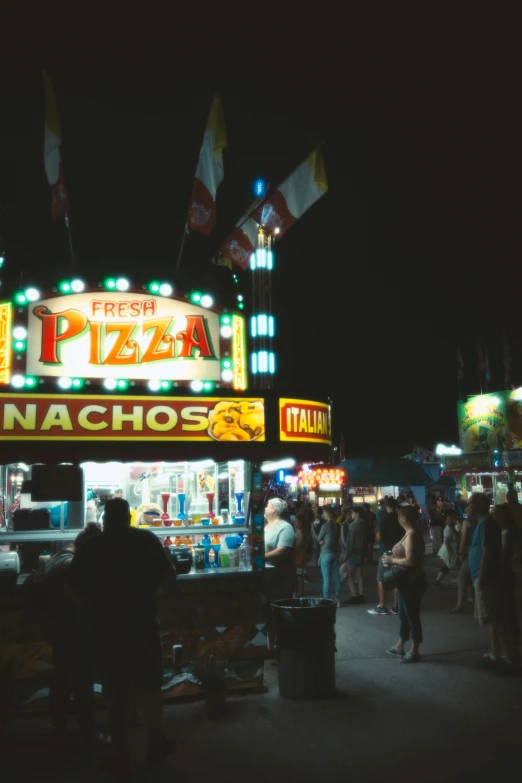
(147, 392)
(490, 432)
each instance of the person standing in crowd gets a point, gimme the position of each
(448, 552)
(369, 521)
(409, 552)
(503, 514)
(464, 580)
(300, 551)
(117, 576)
(436, 520)
(280, 542)
(317, 524)
(67, 630)
(485, 563)
(516, 508)
(356, 549)
(329, 539)
(389, 534)
(118, 493)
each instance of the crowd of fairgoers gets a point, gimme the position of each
(477, 542)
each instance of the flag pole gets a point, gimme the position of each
(185, 234)
(69, 236)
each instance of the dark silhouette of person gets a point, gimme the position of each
(117, 575)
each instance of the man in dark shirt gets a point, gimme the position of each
(117, 576)
(369, 524)
(390, 533)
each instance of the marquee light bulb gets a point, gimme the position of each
(19, 332)
(30, 381)
(227, 375)
(110, 283)
(154, 287)
(226, 320)
(78, 286)
(122, 284)
(17, 381)
(122, 383)
(208, 386)
(77, 383)
(110, 383)
(20, 298)
(65, 287)
(226, 332)
(19, 345)
(32, 294)
(195, 297)
(64, 383)
(154, 385)
(206, 301)
(196, 386)
(165, 385)
(166, 289)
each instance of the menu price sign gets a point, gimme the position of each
(305, 421)
(468, 462)
(97, 417)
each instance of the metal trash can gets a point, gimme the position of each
(305, 630)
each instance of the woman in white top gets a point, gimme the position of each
(449, 551)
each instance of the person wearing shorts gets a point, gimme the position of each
(485, 564)
(116, 575)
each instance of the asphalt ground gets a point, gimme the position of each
(443, 719)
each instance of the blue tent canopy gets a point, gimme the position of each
(385, 472)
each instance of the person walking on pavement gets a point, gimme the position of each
(390, 533)
(436, 520)
(329, 539)
(464, 581)
(117, 575)
(67, 630)
(505, 518)
(356, 549)
(448, 552)
(408, 553)
(370, 521)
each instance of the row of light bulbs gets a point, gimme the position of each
(120, 284)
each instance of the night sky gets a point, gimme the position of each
(411, 252)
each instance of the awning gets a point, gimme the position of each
(385, 472)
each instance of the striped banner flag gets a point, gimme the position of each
(209, 172)
(241, 243)
(294, 196)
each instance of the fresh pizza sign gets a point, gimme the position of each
(107, 335)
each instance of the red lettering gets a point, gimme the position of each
(95, 354)
(123, 309)
(135, 307)
(110, 307)
(52, 337)
(161, 327)
(195, 336)
(115, 355)
(149, 307)
(97, 306)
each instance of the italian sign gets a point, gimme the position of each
(97, 417)
(304, 420)
(112, 334)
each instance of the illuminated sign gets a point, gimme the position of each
(5, 338)
(239, 353)
(110, 334)
(303, 420)
(323, 477)
(97, 417)
(442, 450)
(468, 462)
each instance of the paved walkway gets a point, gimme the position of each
(440, 720)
